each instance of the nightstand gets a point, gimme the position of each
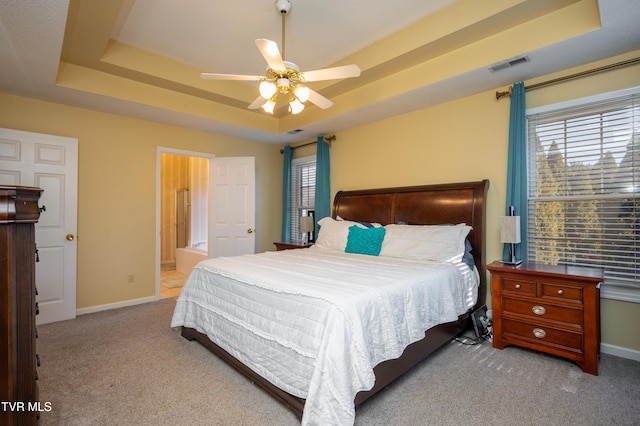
(290, 246)
(549, 308)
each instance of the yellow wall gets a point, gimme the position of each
(460, 140)
(467, 140)
(117, 190)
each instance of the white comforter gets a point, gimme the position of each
(315, 322)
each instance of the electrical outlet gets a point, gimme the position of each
(131, 278)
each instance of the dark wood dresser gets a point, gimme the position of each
(19, 212)
(549, 308)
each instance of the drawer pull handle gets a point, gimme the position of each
(517, 286)
(539, 310)
(539, 333)
(560, 292)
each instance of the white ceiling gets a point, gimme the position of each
(218, 36)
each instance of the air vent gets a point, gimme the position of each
(293, 132)
(509, 63)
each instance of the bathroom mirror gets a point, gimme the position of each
(182, 217)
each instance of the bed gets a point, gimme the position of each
(269, 314)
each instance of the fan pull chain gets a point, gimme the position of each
(283, 14)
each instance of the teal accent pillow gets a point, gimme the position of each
(365, 240)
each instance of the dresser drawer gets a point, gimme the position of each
(567, 315)
(562, 292)
(521, 287)
(542, 335)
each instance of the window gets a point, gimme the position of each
(584, 188)
(303, 193)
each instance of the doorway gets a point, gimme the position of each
(183, 217)
(230, 225)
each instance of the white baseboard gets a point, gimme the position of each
(606, 348)
(116, 305)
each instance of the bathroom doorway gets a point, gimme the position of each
(228, 229)
(184, 200)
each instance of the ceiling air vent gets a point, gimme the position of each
(293, 132)
(509, 63)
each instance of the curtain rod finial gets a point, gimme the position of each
(505, 93)
(329, 139)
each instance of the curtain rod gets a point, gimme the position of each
(572, 76)
(327, 139)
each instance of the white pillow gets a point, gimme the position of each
(440, 243)
(333, 234)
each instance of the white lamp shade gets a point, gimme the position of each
(301, 92)
(510, 229)
(306, 224)
(296, 106)
(267, 89)
(269, 106)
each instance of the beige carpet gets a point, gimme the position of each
(127, 367)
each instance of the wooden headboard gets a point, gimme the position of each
(450, 203)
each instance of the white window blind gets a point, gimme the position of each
(584, 188)
(303, 193)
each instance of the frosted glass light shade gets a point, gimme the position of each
(267, 89)
(269, 106)
(302, 93)
(296, 106)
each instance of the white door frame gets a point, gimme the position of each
(159, 151)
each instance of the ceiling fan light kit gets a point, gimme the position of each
(283, 77)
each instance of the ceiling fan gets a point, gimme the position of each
(284, 77)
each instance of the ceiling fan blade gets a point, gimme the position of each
(271, 53)
(257, 103)
(212, 76)
(346, 71)
(318, 99)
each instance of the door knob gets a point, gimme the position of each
(70, 237)
(250, 231)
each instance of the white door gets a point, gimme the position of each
(51, 163)
(232, 207)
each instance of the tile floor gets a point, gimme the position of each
(169, 270)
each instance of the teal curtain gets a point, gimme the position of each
(517, 168)
(286, 194)
(323, 190)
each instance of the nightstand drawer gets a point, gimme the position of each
(561, 292)
(520, 287)
(566, 315)
(544, 335)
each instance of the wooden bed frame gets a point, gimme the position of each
(417, 205)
